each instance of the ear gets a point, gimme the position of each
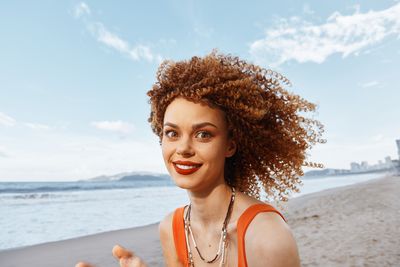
(231, 148)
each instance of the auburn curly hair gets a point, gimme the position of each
(266, 121)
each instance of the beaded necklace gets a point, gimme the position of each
(222, 242)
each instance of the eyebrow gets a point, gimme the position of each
(194, 126)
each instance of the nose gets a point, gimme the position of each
(184, 147)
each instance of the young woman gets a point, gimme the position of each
(228, 130)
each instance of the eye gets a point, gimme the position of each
(170, 134)
(203, 135)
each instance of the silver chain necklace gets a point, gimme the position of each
(222, 242)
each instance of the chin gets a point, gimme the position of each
(188, 182)
(182, 181)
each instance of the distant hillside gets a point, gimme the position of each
(130, 176)
(145, 178)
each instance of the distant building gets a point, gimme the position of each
(396, 166)
(355, 167)
(388, 162)
(387, 165)
(364, 165)
(398, 147)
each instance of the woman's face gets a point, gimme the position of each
(195, 144)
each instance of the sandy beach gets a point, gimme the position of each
(355, 225)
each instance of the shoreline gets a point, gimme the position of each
(342, 226)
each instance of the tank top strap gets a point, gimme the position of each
(178, 228)
(242, 224)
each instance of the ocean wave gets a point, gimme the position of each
(49, 187)
(35, 196)
(44, 189)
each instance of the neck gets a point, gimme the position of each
(209, 208)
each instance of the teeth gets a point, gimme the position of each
(186, 167)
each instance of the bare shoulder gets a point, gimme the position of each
(165, 226)
(167, 241)
(269, 240)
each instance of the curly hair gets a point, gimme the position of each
(267, 122)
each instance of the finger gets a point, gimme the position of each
(121, 252)
(131, 262)
(83, 264)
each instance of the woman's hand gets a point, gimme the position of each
(125, 257)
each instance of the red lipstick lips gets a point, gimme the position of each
(186, 167)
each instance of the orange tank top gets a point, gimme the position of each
(244, 220)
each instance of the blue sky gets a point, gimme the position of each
(74, 76)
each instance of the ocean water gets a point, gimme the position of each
(39, 212)
(311, 185)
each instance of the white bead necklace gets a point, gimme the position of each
(222, 242)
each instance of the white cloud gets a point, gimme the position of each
(302, 41)
(109, 39)
(141, 51)
(81, 9)
(369, 84)
(136, 53)
(103, 35)
(114, 126)
(6, 120)
(36, 126)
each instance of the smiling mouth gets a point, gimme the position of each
(186, 169)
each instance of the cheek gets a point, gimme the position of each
(167, 150)
(213, 152)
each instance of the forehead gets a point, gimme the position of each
(181, 110)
